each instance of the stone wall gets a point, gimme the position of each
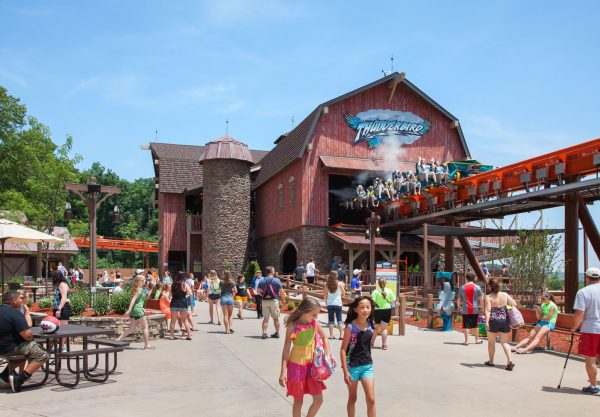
(157, 326)
(226, 214)
(309, 241)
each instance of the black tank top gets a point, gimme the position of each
(178, 300)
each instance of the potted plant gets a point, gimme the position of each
(14, 283)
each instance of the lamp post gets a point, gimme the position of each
(371, 233)
(93, 194)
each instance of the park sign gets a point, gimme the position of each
(376, 126)
(389, 271)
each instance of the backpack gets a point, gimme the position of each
(268, 292)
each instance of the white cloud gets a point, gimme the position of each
(500, 143)
(13, 78)
(229, 12)
(134, 91)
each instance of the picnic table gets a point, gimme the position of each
(81, 367)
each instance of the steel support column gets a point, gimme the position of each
(472, 259)
(571, 250)
(589, 227)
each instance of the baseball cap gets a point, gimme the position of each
(356, 271)
(139, 271)
(593, 273)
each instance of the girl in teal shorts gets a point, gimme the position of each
(355, 353)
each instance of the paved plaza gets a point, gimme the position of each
(423, 374)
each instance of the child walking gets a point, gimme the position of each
(136, 312)
(301, 326)
(355, 353)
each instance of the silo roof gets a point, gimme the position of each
(226, 147)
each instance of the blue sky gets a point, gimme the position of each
(522, 77)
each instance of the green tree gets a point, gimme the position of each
(532, 261)
(33, 170)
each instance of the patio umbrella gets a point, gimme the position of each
(17, 233)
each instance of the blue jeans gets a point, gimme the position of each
(337, 310)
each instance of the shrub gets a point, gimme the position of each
(250, 271)
(101, 304)
(291, 305)
(46, 302)
(79, 301)
(16, 280)
(120, 302)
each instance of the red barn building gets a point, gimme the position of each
(298, 185)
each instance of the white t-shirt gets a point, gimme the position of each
(588, 301)
(310, 269)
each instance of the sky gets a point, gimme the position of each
(522, 77)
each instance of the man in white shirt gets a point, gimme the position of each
(587, 315)
(311, 271)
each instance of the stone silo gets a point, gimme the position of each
(226, 205)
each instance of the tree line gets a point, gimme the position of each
(33, 173)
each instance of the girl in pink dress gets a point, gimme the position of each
(301, 326)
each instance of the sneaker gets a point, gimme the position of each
(591, 390)
(275, 335)
(15, 381)
(264, 336)
(4, 378)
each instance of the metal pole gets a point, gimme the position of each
(571, 251)
(3, 241)
(372, 230)
(92, 212)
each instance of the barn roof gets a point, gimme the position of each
(292, 145)
(178, 166)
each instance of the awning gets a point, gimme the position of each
(358, 240)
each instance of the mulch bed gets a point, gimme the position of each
(558, 341)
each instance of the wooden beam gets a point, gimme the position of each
(470, 255)
(426, 262)
(449, 249)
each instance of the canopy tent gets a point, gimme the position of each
(17, 233)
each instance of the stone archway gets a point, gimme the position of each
(289, 257)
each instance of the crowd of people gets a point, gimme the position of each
(368, 315)
(401, 184)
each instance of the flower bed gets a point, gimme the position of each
(157, 322)
(559, 342)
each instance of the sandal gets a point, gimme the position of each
(479, 342)
(384, 347)
(188, 338)
(510, 366)
(488, 363)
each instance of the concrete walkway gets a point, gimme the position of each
(422, 374)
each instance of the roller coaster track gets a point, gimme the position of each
(535, 183)
(118, 244)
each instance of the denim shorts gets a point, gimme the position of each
(546, 323)
(334, 310)
(179, 309)
(226, 300)
(362, 371)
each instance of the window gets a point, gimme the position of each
(280, 190)
(292, 191)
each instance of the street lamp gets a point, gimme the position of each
(93, 191)
(116, 217)
(371, 233)
(68, 215)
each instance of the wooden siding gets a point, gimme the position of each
(271, 219)
(195, 249)
(332, 136)
(171, 222)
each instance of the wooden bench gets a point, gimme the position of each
(87, 371)
(564, 322)
(107, 342)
